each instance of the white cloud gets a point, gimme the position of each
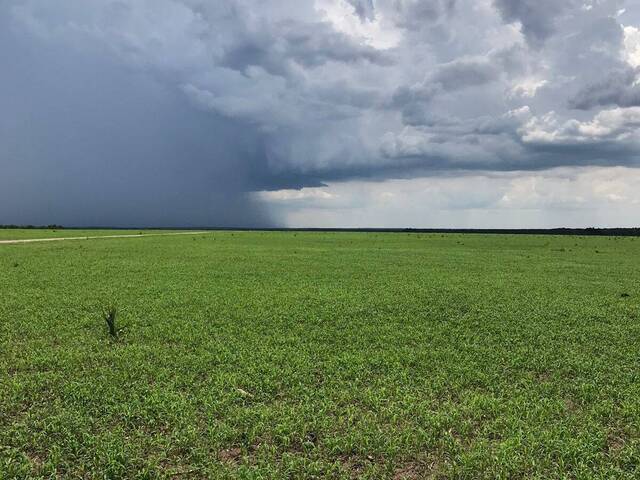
(574, 197)
(313, 193)
(632, 45)
(527, 88)
(377, 32)
(617, 124)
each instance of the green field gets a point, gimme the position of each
(321, 355)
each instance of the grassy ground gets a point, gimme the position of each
(321, 355)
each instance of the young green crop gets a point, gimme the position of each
(321, 355)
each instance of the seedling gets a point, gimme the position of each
(110, 318)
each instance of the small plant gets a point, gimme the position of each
(110, 318)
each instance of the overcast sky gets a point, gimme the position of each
(381, 113)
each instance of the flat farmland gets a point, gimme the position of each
(260, 355)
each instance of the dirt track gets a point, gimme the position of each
(132, 235)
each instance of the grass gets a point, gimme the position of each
(321, 355)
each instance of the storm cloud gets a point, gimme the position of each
(176, 112)
(621, 88)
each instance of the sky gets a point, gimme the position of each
(320, 113)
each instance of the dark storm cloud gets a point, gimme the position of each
(619, 88)
(86, 142)
(173, 111)
(364, 9)
(314, 44)
(537, 17)
(449, 77)
(308, 45)
(415, 15)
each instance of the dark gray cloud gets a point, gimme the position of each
(164, 112)
(364, 9)
(621, 88)
(537, 17)
(412, 14)
(305, 44)
(465, 73)
(449, 78)
(87, 142)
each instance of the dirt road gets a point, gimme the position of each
(132, 235)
